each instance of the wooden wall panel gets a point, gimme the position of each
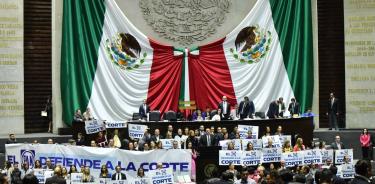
(38, 64)
(331, 56)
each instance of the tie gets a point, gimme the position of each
(293, 108)
(144, 107)
(118, 176)
(244, 105)
(224, 107)
(208, 140)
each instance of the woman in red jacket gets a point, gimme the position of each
(365, 140)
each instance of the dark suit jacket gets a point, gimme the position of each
(114, 176)
(295, 110)
(55, 180)
(142, 112)
(220, 106)
(334, 145)
(273, 110)
(333, 108)
(248, 109)
(153, 138)
(203, 140)
(359, 180)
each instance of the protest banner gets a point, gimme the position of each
(93, 157)
(136, 131)
(340, 154)
(251, 157)
(292, 159)
(230, 156)
(94, 126)
(271, 155)
(257, 143)
(161, 176)
(116, 124)
(312, 157)
(346, 171)
(327, 155)
(243, 130)
(275, 141)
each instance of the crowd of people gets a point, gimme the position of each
(14, 175)
(193, 140)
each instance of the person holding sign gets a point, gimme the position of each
(118, 175)
(87, 177)
(104, 172)
(287, 147)
(249, 147)
(299, 145)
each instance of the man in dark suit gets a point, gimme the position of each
(207, 139)
(273, 110)
(333, 111)
(281, 106)
(225, 108)
(12, 139)
(337, 144)
(57, 178)
(363, 172)
(118, 175)
(246, 108)
(294, 107)
(144, 109)
(156, 137)
(49, 165)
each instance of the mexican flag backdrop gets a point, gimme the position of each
(107, 64)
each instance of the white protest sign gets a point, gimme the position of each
(93, 157)
(161, 176)
(237, 144)
(39, 173)
(340, 154)
(116, 124)
(136, 131)
(346, 171)
(251, 157)
(230, 156)
(271, 155)
(292, 159)
(117, 182)
(243, 130)
(224, 144)
(139, 181)
(167, 143)
(284, 138)
(94, 126)
(327, 154)
(257, 143)
(75, 178)
(47, 174)
(275, 141)
(312, 157)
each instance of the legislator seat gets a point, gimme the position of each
(154, 116)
